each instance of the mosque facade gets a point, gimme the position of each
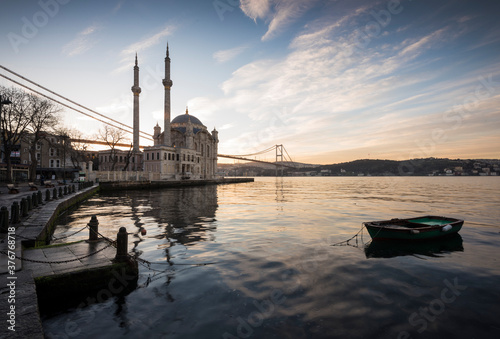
(185, 149)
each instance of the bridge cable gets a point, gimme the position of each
(63, 97)
(63, 104)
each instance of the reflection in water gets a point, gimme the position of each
(275, 273)
(430, 248)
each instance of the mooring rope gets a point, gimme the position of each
(346, 242)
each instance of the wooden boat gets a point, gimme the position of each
(426, 227)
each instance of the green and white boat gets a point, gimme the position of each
(420, 228)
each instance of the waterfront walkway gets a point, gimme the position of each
(18, 296)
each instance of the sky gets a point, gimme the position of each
(331, 80)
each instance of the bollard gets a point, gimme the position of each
(65, 190)
(73, 188)
(14, 213)
(93, 228)
(60, 192)
(30, 203)
(34, 200)
(47, 195)
(24, 207)
(4, 219)
(39, 195)
(121, 245)
(54, 193)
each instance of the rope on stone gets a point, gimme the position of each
(61, 261)
(72, 234)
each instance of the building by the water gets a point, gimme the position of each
(184, 149)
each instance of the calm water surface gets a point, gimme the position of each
(256, 260)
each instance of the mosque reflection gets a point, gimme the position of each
(430, 248)
(181, 216)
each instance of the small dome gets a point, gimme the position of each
(183, 119)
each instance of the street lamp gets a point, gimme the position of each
(3, 102)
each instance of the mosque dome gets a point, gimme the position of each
(184, 118)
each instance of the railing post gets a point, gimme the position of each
(30, 203)
(121, 245)
(93, 228)
(24, 207)
(40, 197)
(54, 193)
(14, 215)
(34, 200)
(4, 219)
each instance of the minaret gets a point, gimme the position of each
(136, 90)
(167, 84)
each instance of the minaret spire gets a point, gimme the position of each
(167, 84)
(136, 90)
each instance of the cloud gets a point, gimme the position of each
(279, 13)
(83, 42)
(321, 93)
(228, 54)
(127, 54)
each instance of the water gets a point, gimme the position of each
(256, 260)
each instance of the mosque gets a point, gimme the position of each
(185, 149)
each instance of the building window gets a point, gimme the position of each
(51, 152)
(147, 156)
(58, 163)
(184, 157)
(38, 156)
(177, 157)
(157, 155)
(51, 163)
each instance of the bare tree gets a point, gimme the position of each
(76, 145)
(14, 120)
(112, 136)
(44, 118)
(128, 156)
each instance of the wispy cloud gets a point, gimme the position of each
(320, 94)
(279, 13)
(127, 54)
(228, 54)
(83, 41)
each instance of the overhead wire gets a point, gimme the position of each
(145, 135)
(63, 104)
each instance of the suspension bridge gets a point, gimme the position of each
(282, 158)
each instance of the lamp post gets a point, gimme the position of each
(3, 102)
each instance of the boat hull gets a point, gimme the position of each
(427, 227)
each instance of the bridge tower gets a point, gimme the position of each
(279, 158)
